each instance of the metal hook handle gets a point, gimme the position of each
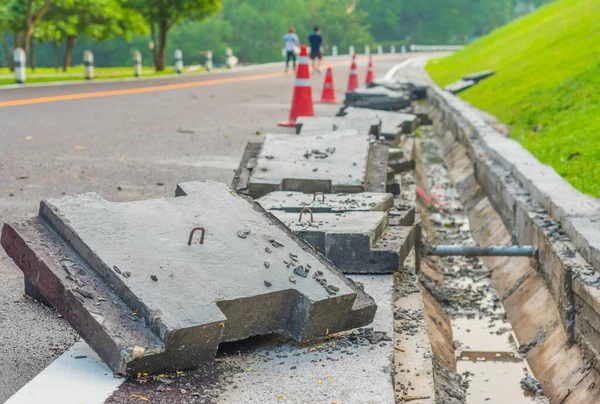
(201, 236)
(319, 193)
(306, 210)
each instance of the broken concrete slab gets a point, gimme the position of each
(392, 123)
(460, 86)
(148, 299)
(477, 77)
(323, 125)
(417, 92)
(327, 203)
(355, 242)
(338, 162)
(400, 160)
(378, 98)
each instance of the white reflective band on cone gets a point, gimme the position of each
(302, 83)
(352, 71)
(303, 60)
(328, 85)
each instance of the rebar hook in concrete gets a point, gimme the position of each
(319, 193)
(201, 236)
(309, 210)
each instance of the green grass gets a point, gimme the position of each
(546, 87)
(76, 73)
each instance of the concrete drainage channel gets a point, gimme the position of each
(487, 353)
(312, 278)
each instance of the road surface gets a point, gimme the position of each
(125, 141)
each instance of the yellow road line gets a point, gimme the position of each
(79, 96)
(139, 90)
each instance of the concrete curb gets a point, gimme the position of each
(521, 192)
(578, 214)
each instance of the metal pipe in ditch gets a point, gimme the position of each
(490, 251)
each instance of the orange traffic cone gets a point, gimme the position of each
(302, 103)
(370, 75)
(328, 95)
(353, 78)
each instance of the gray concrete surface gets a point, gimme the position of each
(336, 162)
(392, 123)
(355, 242)
(310, 125)
(124, 147)
(320, 203)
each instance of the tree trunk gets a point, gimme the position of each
(161, 60)
(9, 56)
(31, 20)
(32, 56)
(68, 52)
(27, 40)
(154, 49)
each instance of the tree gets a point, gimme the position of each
(162, 15)
(22, 16)
(97, 20)
(6, 25)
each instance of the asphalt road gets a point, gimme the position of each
(125, 141)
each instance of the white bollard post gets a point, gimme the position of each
(380, 50)
(178, 61)
(20, 62)
(392, 49)
(209, 62)
(351, 50)
(88, 64)
(137, 63)
(367, 50)
(334, 51)
(229, 58)
(403, 49)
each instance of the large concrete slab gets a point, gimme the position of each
(378, 98)
(392, 123)
(125, 277)
(321, 203)
(350, 368)
(320, 125)
(333, 163)
(355, 242)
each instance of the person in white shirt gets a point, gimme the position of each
(290, 42)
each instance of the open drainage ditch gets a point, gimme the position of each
(486, 349)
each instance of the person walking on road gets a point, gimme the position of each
(290, 42)
(316, 40)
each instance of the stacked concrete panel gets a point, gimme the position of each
(393, 124)
(341, 161)
(351, 231)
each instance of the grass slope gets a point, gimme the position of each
(547, 85)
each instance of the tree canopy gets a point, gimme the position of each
(113, 29)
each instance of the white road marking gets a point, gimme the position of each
(390, 75)
(67, 380)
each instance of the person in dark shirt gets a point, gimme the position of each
(316, 40)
